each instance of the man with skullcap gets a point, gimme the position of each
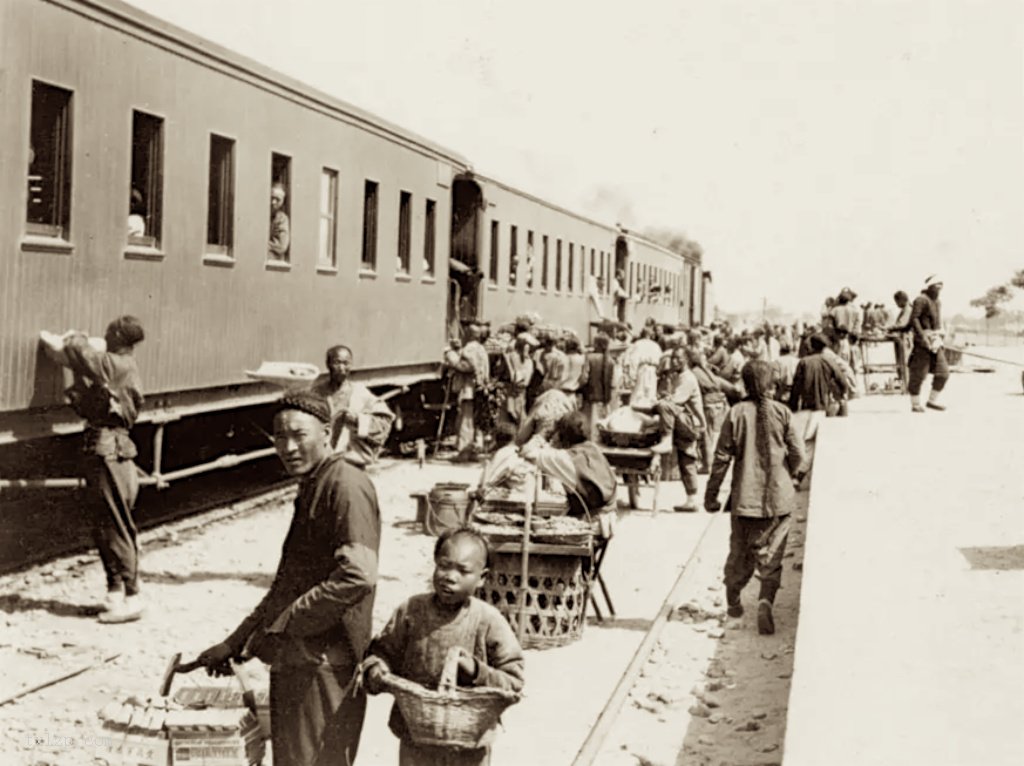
(928, 354)
(360, 421)
(108, 393)
(314, 624)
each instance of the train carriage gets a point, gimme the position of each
(139, 162)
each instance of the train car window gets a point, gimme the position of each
(492, 267)
(529, 260)
(593, 269)
(583, 269)
(404, 231)
(513, 255)
(145, 200)
(430, 238)
(544, 262)
(327, 255)
(602, 283)
(220, 210)
(572, 266)
(279, 248)
(48, 211)
(369, 256)
(558, 265)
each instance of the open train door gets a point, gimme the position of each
(621, 282)
(464, 274)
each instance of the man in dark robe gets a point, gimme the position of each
(928, 354)
(314, 624)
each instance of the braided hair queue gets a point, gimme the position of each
(758, 377)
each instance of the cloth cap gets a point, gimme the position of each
(934, 279)
(306, 401)
(127, 330)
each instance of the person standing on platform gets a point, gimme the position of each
(554, 365)
(758, 435)
(108, 393)
(818, 387)
(716, 405)
(598, 382)
(928, 354)
(680, 411)
(471, 373)
(353, 406)
(901, 328)
(314, 624)
(575, 361)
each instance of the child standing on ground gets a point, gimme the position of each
(417, 638)
(758, 434)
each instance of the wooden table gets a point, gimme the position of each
(633, 464)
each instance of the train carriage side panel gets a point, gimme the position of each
(570, 297)
(207, 318)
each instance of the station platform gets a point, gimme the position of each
(910, 646)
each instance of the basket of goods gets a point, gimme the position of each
(449, 716)
(626, 427)
(504, 527)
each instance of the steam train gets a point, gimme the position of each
(138, 164)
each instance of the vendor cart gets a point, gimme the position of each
(635, 464)
(885, 365)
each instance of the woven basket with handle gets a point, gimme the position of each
(449, 716)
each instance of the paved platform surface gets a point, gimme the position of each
(910, 648)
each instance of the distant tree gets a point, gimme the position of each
(991, 300)
(1018, 279)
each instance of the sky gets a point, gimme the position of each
(807, 145)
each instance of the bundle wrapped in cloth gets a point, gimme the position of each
(626, 427)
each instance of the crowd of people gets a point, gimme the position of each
(717, 397)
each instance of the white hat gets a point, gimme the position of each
(934, 279)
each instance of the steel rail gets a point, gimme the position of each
(591, 746)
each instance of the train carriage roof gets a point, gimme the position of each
(163, 34)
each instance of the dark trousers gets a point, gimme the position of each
(112, 488)
(315, 719)
(922, 361)
(744, 539)
(687, 468)
(714, 416)
(411, 754)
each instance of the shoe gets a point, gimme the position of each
(765, 619)
(663, 447)
(934, 406)
(735, 610)
(690, 506)
(917, 408)
(129, 610)
(113, 600)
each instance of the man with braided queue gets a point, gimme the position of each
(758, 435)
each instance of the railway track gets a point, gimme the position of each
(185, 569)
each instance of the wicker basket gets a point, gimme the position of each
(449, 716)
(556, 597)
